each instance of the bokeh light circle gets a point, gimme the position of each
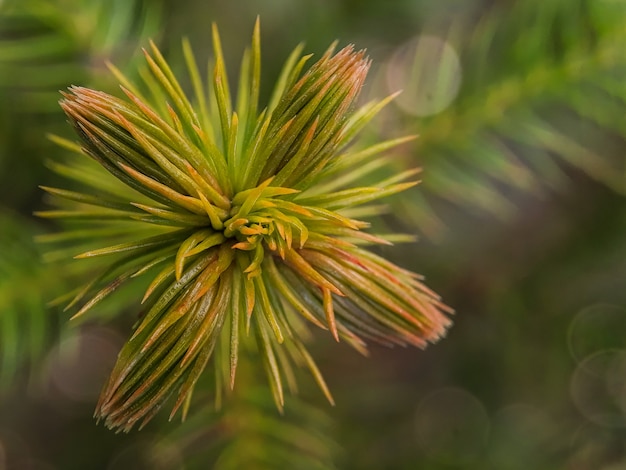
(597, 328)
(428, 71)
(598, 388)
(79, 365)
(590, 446)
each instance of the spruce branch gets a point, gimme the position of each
(227, 201)
(541, 94)
(44, 46)
(248, 433)
(25, 322)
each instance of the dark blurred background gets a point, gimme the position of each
(520, 108)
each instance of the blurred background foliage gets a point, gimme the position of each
(520, 108)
